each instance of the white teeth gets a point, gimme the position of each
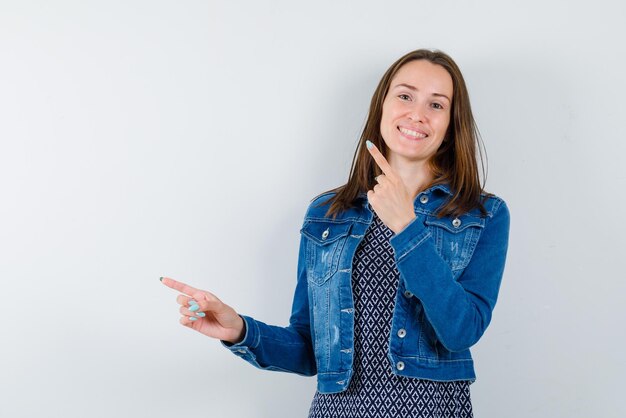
(412, 133)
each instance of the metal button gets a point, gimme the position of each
(401, 332)
(400, 365)
(424, 199)
(241, 351)
(408, 294)
(456, 222)
(325, 234)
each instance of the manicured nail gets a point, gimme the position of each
(200, 314)
(193, 318)
(161, 278)
(192, 302)
(194, 308)
(369, 144)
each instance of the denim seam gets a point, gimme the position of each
(257, 339)
(327, 326)
(280, 369)
(330, 374)
(424, 340)
(430, 360)
(417, 244)
(283, 342)
(496, 206)
(327, 220)
(471, 245)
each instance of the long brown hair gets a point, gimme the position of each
(454, 163)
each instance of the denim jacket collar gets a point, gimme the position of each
(443, 187)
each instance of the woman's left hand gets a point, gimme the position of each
(390, 198)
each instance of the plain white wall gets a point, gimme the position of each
(150, 138)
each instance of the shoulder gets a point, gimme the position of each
(319, 204)
(322, 198)
(494, 205)
(498, 217)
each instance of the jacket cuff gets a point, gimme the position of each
(413, 235)
(250, 339)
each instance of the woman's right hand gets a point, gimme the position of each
(219, 321)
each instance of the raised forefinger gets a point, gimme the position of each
(180, 286)
(380, 159)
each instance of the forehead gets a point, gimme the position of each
(425, 76)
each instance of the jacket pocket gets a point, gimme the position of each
(324, 244)
(456, 238)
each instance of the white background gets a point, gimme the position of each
(150, 138)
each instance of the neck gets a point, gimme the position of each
(416, 175)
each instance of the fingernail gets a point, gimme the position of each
(369, 144)
(161, 278)
(193, 318)
(194, 308)
(200, 314)
(192, 302)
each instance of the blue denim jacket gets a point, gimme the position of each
(450, 274)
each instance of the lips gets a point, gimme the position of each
(412, 133)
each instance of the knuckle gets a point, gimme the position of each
(211, 297)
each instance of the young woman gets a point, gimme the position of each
(398, 270)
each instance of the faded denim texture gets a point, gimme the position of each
(450, 275)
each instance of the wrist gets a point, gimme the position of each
(239, 332)
(405, 224)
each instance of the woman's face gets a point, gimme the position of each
(416, 111)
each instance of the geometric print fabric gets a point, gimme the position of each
(374, 391)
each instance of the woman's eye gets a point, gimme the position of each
(437, 106)
(404, 97)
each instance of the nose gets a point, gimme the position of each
(417, 114)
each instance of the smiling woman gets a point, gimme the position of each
(399, 269)
(416, 115)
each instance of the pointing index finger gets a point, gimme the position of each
(380, 159)
(180, 286)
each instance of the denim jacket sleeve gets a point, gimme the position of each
(287, 349)
(459, 310)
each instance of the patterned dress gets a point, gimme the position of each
(374, 391)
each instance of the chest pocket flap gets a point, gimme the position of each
(456, 225)
(456, 238)
(326, 239)
(324, 233)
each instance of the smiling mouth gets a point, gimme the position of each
(412, 134)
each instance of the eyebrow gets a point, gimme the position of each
(410, 87)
